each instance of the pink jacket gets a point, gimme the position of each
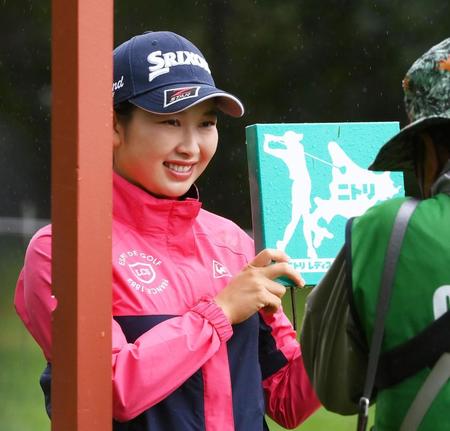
(177, 361)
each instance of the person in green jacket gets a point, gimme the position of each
(340, 312)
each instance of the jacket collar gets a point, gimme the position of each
(146, 213)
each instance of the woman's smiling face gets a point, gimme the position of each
(165, 154)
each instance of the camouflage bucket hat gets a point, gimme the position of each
(426, 89)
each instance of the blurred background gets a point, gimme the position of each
(288, 61)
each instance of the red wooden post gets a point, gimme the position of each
(82, 42)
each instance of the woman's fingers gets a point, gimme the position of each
(255, 287)
(275, 288)
(273, 303)
(283, 269)
(274, 264)
(268, 256)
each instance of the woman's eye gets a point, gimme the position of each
(208, 123)
(172, 122)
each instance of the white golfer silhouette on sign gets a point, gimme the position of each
(292, 152)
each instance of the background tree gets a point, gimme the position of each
(289, 61)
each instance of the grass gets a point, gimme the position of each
(21, 399)
(322, 421)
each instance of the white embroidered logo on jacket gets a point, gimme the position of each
(143, 272)
(220, 270)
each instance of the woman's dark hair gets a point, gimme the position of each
(124, 111)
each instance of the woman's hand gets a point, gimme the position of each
(254, 287)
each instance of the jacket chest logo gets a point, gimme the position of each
(144, 272)
(220, 270)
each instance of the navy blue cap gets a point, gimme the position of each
(162, 72)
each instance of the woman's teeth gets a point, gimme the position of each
(179, 168)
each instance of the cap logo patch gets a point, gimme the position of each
(175, 95)
(161, 63)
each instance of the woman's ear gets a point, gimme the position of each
(118, 131)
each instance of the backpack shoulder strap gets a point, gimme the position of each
(427, 393)
(393, 252)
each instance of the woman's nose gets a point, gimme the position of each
(189, 143)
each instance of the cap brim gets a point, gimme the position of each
(176, 98)
(396, 154)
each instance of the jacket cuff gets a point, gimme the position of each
(207, 308)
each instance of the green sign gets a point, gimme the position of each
(307, 180)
